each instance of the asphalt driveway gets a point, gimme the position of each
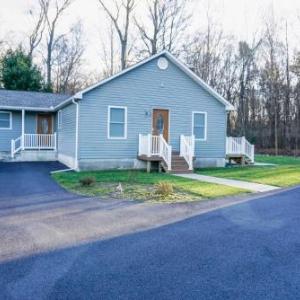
(80, 248)
(28, 178)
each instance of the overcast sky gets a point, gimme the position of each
(239, 17)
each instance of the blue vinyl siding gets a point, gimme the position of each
(6, 135)
(67, 131)
(30, 122)
(141, 90)
(30, 128)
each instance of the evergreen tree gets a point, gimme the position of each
(19, 73)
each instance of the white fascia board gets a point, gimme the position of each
(185, 69)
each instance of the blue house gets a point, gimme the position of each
(155, 111)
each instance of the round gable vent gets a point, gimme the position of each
(162, 63)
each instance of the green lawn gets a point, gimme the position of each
(139, 185)
(285, 173)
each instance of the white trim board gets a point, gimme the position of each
(108, 123)
(167, 54)
(178, 63)
(205, 125)
(10, 120)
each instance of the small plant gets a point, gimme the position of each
(164, 188)
(131, 176)
(87, 181)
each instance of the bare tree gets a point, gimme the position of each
(59, 7)
(166, 22)
(109, 52)
(36, 35)
(122, 7)
(287, 121)
(272, 81)
(247, 79)
(67, 61)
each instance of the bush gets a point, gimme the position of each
(87, 181)
(164, 188)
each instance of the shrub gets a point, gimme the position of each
(164, 188)
(87, 181)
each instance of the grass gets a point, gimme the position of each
(139, 185)
(285, 173)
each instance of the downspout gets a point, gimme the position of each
(76, 134)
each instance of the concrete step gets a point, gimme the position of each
(181, 171)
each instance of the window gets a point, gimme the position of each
(117, 122)
(199, 125)
(5, 120)
(59, 118)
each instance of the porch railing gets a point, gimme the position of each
(187, 149)
(16, 146)
(240, 146)
(33, 142)
(155, 145)
(40, 141)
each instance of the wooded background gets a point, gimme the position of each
(261, 79)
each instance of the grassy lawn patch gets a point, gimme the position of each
(285, 173)
(139, 185)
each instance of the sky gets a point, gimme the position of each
(242, 18)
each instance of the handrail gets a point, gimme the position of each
(14, 147)
(33, 141)
(155, 145)
(40, 141)
(187, 149)
(240, 145)
(165, 152)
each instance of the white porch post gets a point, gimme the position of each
(23, 128)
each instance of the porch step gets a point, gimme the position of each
(179, 165)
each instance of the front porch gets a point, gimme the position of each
(33, 142)
(154, 148)
(37, 134)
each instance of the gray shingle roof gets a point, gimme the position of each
(30, 99)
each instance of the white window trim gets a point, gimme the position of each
(108, 123)
(205, 124)
(10, 120)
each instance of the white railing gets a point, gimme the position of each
(40, 141)
(155, 145)
(187, 149)
(239, 146)
(165, 152)
(16, 146)
(33, 142)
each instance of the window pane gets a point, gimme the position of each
(117, 130)
(199, 132)
(4, 120)
(199, 120)
(199, 125)
(117, 115)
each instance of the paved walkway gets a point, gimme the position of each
(251, 186)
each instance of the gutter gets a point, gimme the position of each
(76, 133)
(62, 171)
(43, 109)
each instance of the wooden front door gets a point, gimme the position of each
(160, 123)
(44, 124)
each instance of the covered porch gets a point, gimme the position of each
(38, 132)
